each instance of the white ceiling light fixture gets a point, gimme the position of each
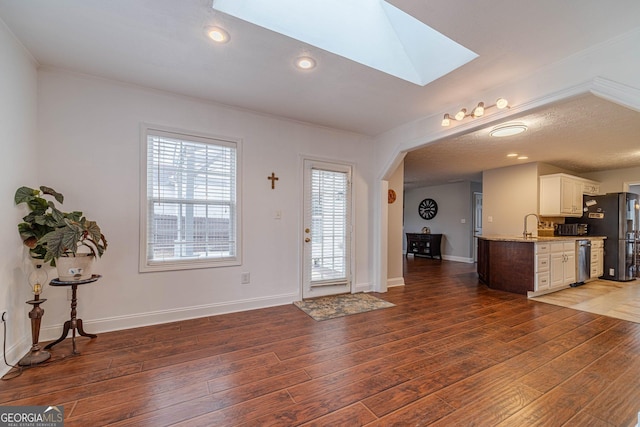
(502, 103)
(218, 35)
(478, 111)
(508, 130)
(305, 63)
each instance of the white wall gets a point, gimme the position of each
(508, 195)
(18, 89)
(615, 181)
(454, 207)
(89, 144)
(395, 236)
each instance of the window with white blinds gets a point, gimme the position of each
(190, 210)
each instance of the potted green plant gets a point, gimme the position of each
(66, 240)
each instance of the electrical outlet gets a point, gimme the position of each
(5, 315)
(245, 278)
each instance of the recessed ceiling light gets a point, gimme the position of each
(523, 157)
(512, 155)
(218, 34)
(508, 130)
(305, 63)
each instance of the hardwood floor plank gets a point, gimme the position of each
(619, 403)
(407, 392)
(492, 408)
(354, 415)
(423, 412)
(564, 366)
(98, 414)
(576, 392)
(206, 412)
(58, 381)
(583, 419)
(451, 352)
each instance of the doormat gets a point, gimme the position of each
(330, 307)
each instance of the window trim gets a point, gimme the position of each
(144, 265)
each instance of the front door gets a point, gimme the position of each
(327, 229)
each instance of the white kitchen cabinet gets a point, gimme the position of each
(597, 259)
(542, 266)
(561, 194)
(591, 188)
(562, 264)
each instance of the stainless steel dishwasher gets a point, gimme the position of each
(583, 250)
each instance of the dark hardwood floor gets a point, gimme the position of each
(450, 353)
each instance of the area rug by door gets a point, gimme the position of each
(333, 306)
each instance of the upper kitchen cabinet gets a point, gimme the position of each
(561, 194)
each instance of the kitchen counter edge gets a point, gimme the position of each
(500, 238)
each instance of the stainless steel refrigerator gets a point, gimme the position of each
(616, 216)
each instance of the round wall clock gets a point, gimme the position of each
(428, 208)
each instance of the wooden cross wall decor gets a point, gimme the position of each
(273, 179)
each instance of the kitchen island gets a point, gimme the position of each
(534, 266)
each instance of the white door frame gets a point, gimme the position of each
(477, 222)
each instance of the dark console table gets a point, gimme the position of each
(73, 324)
(422, 244)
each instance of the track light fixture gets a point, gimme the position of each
(478, 111)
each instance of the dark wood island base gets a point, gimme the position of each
(506, 265)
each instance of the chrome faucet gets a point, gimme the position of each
(524, 233)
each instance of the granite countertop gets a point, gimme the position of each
(503, 238)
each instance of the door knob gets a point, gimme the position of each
(307, 240)
(306, 230)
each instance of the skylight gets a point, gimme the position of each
(370, 32)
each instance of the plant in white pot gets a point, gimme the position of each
(68, 241)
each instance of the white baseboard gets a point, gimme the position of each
(395, 281)
(15, 353)
(458, 259)
(117, 323)
(453, 258)
(362, 287)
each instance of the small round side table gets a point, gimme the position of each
(73, 324)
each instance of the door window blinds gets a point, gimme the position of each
(329, 221)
